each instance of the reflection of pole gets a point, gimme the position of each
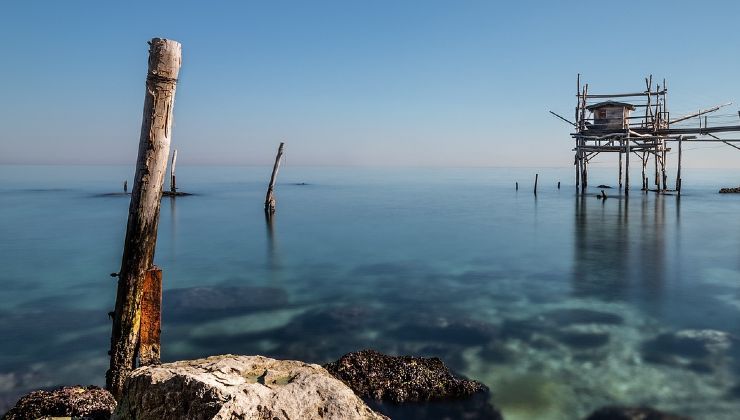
(271, 246)
(173, 229)
(270, 198)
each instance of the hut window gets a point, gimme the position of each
(601, 114)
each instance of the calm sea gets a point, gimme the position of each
(559, 304)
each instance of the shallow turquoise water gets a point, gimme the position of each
(559, 304)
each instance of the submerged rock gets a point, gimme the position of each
(632, 413)
(698, 350)
(70, 401)
(198, 303)
(400, 378)
(249, 387)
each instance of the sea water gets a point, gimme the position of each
(559, 303)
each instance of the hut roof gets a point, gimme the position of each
(611, 103)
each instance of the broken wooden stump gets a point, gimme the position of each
(141, 231)
(173, 184)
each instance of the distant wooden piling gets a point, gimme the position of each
(620, 170)
(173, 183)
(517, 186)
(558, 184)
(627, 166)
(125, 186)
(143, 218)
(678, 171)
(270, 198)
(536, 177)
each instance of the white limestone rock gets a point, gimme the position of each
(238, 387)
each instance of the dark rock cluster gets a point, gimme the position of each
(70, 401)
(632, 413)
(735, 190)
(400, 378)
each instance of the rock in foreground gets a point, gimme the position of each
(70, 401)
(632, 413)
(249, 387)
(400, 378)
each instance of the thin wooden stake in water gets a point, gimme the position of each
(270, 198)
(143, 218)
(173, 184)
(125, 186)
(678, 172)
(536, 177)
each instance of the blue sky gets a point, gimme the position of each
(431, 83)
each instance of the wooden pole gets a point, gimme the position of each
(620, 168)
(143, 218)
(664, 176)
(125, 186)
(678, 172)
(536, 177)
(270, 198)
(558, 184)
(644, 178)
(173, 184)
(517, 185)
(578, 167)
(627, 167)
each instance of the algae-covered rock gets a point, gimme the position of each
(243, 387)
(400, 378)
(632, 413)
(70, 401)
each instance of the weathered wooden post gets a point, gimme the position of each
(627, 166)
(270, 198)
(125, 186)
(678, 171)
(536, 177)
(558, 184)
(173, 184)
(141, 232)
(620, 169)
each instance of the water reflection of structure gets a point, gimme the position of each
(618, 256)
(173, 229)
(273, 258)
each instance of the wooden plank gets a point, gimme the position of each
(143, 218)
(151, 318)
(624, 95)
